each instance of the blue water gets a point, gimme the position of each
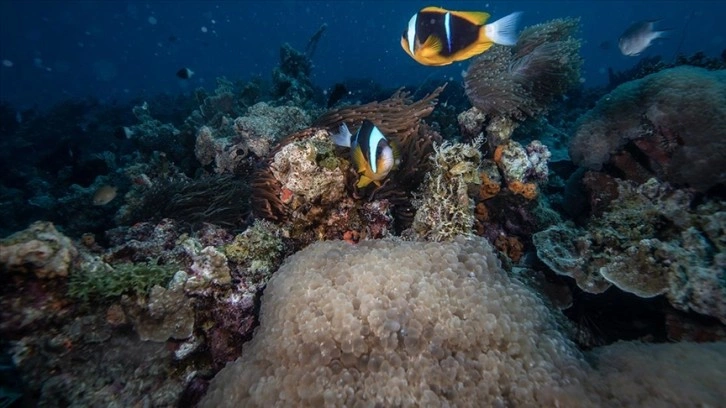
(115, 50)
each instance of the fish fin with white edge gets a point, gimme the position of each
(343, 137)
(504, 30)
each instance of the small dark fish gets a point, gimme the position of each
(173, 38)
(605, 45)
(338, 92)
(638, 37)
(123, 132)
(184, 73)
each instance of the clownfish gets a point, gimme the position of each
(436, 36)
(373, 156)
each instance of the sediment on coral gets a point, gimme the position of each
(221, 200)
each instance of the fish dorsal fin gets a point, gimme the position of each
(474, 17)
(432, 46)
(433, 9)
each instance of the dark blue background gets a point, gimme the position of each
(110, 49)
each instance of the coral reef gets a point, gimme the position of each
(509, 84)
(291, 79)
(124, 298)
(229, 145)
(450, 327)
(647, 243)
(671, 125)
(446, 328)
(40, 249)
(307, 186)
(258, 249)
(398, 117)
(444, 209)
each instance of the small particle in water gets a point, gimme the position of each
(7, 63)
(104, 195)
(204, 29)
(152, 20)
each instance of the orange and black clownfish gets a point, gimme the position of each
(436, 36)
(373, 156)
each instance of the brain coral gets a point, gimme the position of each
(388, 323)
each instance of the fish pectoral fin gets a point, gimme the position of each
(359, 160)
(432, 46)
(474, 17)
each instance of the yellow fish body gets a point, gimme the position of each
(372, 155)
(436, 36)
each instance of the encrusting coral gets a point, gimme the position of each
(647, 243)
(40, 249)
(674, 119)
(259, 248)
(449, 328)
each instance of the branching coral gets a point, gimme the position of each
(100, 281)
(444, 209)
(521, 81)
(675, 121)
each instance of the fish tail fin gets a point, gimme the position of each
(504, 30)
(342, 138)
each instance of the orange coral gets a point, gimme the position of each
(526, 190)
(510, 246)
(498, 154)
(488, 188)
